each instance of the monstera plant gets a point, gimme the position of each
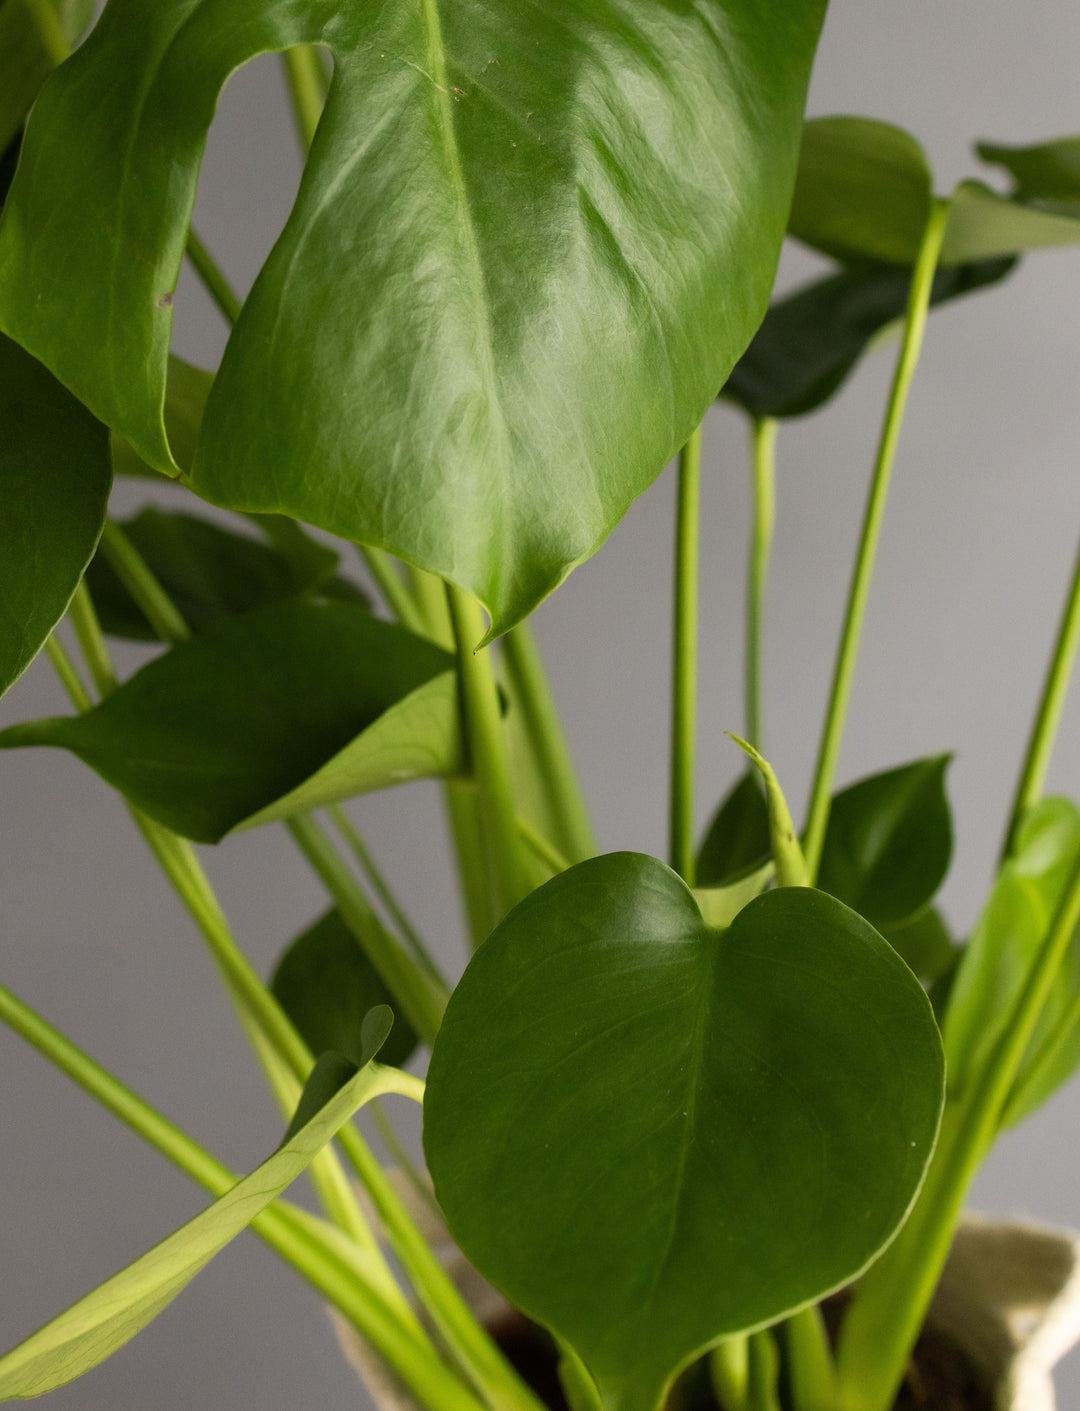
(672, 1107)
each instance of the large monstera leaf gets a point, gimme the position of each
(651, 1133)
(530, 242)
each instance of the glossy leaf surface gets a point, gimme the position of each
(95, 1327)
(889, 842)
(25, 60)
(209, 572)
(737, 840)
(533, 238)
(811, 341)
(650, 1134)
(863, 190)
(327, 987)
(54, 488)
(239, 724)
(999, 956)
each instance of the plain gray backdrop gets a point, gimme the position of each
(977, 548)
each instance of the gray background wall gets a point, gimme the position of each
(977, 548)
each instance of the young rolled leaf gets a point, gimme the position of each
(811, 341)
(889, 842)
(54, 489)
(209, 572)
(651, 1134)
(95, 1327)
(268, 714)
(524, 305)
(998, 958)
(26, 59)
(327, 986)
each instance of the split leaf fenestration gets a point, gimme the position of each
(533, 239)
(54, 489)
(651, 1134)
(210, 572)
(266, 715)
(326, 985)
(102, 1322)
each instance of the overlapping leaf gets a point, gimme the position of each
(889, 842)
(95, 1327)
(264, 715)
(54, 488)
(998, 960)
(651, 1134)
(27, 57)
(210, 572)
(327, 986)
(530, 242)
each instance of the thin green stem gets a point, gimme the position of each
(487, 751)
(49, 30)
(762, 1391)
(213, 278)
(810, 1360)
(729, 1372)
(306, 76)
(1048, 716)
(550, 856)
(401, 1159)
(531, 692)
(293, 1234)
(764, 515)
(891, 1299)
(65, 668)
(859, 591)
(391, 585)
(135, 574)
(474, 873)
(359, 849)
(84, 620)
(421, 995)
(684, 663)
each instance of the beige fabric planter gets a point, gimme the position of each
(1009, 1296)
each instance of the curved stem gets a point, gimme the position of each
(421, 994)
(134, 573)
(528, 684)
(859, 591)
(49, 30)
(1048, 716)
(487, 751)
(684, 661)
(306, 76)
(69, 677)
(84, 620)
(351, 834)
(764, 515)
(213, 278)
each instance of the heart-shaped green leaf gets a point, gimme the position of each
(327, 986)
(102, 1322)
(54, 488)
(651, 1134)
(863, 191)
(810, 341)
(534, 239)
(999, 957)
(889, 842)
(26, 57)
(267, 714)
(737, 840)
(209, 572)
